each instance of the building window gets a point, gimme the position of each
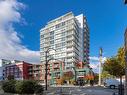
(51, 42)
(52, 37)
(63, 39)
(57, 26)
(63, 44)
(63, 34)
(63, 23)
(52, 33)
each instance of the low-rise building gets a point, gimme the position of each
(21, 70)
(35, 72)
(3, 63)
(17, 69)
(55, 72)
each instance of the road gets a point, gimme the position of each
(96, 90)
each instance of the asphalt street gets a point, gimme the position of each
(96, 90)
(87, 90)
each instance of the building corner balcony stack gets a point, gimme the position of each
(125, 46)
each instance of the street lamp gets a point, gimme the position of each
(100, 65)
(46, 65)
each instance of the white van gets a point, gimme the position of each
(111, 83)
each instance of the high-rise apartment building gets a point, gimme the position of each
(69, 36)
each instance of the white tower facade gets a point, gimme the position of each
(69, 36)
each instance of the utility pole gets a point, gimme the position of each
(100, 65)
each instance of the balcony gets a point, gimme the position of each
(30, 73)
(36, 68)
(70, 49)
(56, 77)
(70, 54)
(70, 33)
(56, 70)
(56, 66)
(69, 44)
(30, 69)
(69, 60)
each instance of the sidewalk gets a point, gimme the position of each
(87, 85)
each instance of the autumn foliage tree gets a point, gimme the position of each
(121, 57)
(113, 67)
(116, 65)
(106, 75)
(68, 76)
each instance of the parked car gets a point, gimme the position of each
(111, 83)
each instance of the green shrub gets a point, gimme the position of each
(9, 86)
(18, 87)
(25, 87)
(38, 89)
(22, 87)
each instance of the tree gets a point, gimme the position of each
(106, 75)
(122, 61)
(116, 65)
(68, 76)
(60, 81)
(121, 57)
(113, 67)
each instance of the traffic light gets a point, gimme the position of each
(125, 1)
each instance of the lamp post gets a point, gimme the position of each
(46, 66)
(100, 66)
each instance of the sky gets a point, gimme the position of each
(21, 20)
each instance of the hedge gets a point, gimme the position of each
(9, 86)
(22, 87)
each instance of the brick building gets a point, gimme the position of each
(55, 72)
(35, 72)
(17, 69)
